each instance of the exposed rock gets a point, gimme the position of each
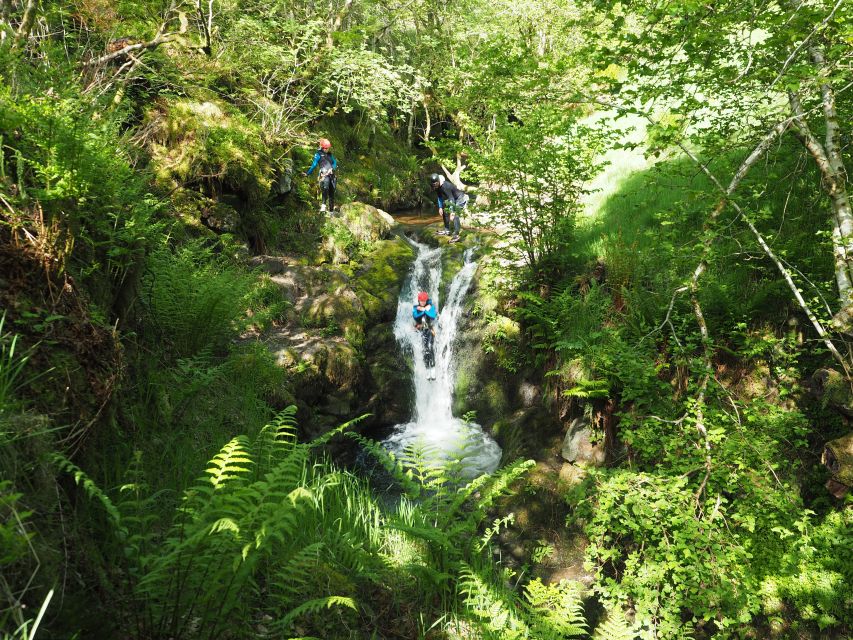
(357, 226)
(838, 458)
(579, 447)
(338, 342)
(834, 389)
(529, 394)
(221, 218)
(283, 182)
(367, 223)
(391, 392)
(571, 475)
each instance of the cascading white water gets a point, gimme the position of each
(433, 428)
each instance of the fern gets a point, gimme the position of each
(317, 605)
(276, 437)
(615, 626)
(93, 492)
(493, 607)
(226, 463)
(555, 611)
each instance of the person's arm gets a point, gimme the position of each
(313, 164)
(334, 163)
(440, 205)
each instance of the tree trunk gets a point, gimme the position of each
(829, 160)
(337, 23)
(27, 22)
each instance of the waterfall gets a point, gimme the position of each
(433, 428)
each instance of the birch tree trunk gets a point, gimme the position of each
(827, 155)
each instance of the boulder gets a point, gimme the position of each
(366, 223)
(838, 458)
(283, 182)
(579, 446)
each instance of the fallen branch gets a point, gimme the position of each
(151, 44)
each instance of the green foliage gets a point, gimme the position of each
(193, 301)
(11, 367)
(261, 509)
(67, 184)
(541, 165)
(615, 627)
(813, 573)
(14, 536)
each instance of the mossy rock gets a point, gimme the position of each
(838, 458)
(367, 223)
(208, 141)
(338, 313)
(379, 280)
(390, 396)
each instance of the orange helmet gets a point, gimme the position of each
(423, 296)
(325, 145)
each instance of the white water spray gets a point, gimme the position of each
(433, 428)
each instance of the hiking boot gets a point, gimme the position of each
(443, 232)
(322, 208)
(455, 239)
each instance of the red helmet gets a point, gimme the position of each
(325, 145)
(423, 296)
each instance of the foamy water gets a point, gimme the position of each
(434, 430)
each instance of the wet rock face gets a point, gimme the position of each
(337, 341)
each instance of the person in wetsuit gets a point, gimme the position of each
(425, 315)
(328, 165)
(450, 200)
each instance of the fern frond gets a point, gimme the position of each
(226, 465)
(316, 605)
(294, 578)
(276, 437)
(324, 439)
(391, 464)
(428, 534)
(93, 491)
(492, 607)
(556, 610)
(615, 626)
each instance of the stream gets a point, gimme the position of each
(433, 429)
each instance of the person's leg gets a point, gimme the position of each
(324, 187)
(333, 186)
(445, 215)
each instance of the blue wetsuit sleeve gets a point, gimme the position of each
(431, 312)
(415, 313)
(314, 164)
(334, 162)
(440, 203)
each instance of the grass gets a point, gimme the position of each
(646, 227)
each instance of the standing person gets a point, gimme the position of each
(450, 200)
(326, 175)
(425, 315)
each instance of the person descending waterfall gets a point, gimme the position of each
(326, 175)
(425, 316)
(450, 200)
